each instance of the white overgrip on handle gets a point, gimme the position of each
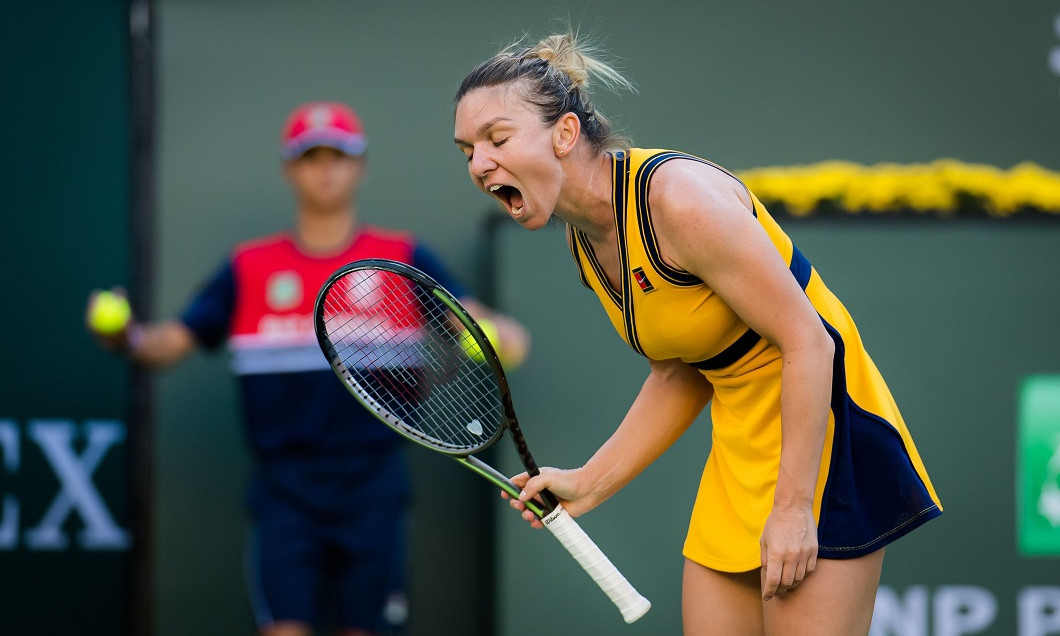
(618, 589)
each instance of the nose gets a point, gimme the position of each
(481, 163)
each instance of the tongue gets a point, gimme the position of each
(516, 199)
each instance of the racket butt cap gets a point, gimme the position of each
(635, 610)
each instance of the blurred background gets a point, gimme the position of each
(142, 144)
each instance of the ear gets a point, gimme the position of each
(565, 134)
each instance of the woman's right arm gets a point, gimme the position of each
(671, 398)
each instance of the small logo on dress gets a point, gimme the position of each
(642, 280)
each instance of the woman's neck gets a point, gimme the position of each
(589, 206)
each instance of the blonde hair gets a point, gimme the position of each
(554, 75)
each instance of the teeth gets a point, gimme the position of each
(498, 186)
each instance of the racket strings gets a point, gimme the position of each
(407, 356)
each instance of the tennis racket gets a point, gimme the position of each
(412, 355)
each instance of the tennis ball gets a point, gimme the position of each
(471, 347)
(109, 313)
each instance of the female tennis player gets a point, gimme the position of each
(812, 470)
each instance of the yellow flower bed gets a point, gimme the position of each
(942, 187)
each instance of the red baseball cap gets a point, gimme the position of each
(328, 124)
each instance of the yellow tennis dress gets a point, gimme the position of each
(872, 486)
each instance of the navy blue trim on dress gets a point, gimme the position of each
(873, 494)
(642, 182)
(800, 267)
(620, 177)
(572, 242)
(731, 354)
(594, 262)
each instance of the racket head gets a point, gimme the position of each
(411, 354)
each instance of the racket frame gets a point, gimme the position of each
(465, 457)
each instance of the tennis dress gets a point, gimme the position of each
(872, 486)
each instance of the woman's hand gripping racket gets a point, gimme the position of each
(411, 354)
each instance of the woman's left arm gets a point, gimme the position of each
(705, 226)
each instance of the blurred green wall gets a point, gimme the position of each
(955, 312)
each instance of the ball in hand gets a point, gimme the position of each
(109, 313)
(471, 347)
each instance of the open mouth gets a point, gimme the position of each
(510, 197)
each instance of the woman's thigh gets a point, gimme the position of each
(720, 603)
(837, 599)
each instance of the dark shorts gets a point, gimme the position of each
(328, 543)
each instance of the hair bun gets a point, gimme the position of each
(546, 53)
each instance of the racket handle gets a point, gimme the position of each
(618, 589)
